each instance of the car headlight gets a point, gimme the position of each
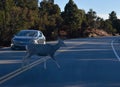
(12, 42)
(35, 41)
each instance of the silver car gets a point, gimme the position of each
(24, 37)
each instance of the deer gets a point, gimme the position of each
(42, 50)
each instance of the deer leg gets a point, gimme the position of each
(45, 63)
(56, 62)
(25, 59)
(28, 59)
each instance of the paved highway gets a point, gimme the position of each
(88, 62)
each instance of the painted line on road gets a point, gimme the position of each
(114, 50)
(25, 68)
(107, 59)
(31, 65)
(21, 70)
(10, 61)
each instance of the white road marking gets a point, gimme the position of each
(21, 70)
(10, 61)
(107, 59)
(115, 50)
(25, 68)
(37, 62)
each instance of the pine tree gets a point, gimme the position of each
(28, 13)
(91, 17)
(16, 15)
(114, 21)
(72, 18)
(112, 16)
(51, 1)
(5, 29)
(50, 19)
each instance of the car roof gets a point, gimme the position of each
(30, 30)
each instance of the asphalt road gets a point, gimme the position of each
(88, 62)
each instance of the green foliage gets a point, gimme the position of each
(91, 18)
(115, 22)
(116, 25)
(73, 18)
(112, 16)
(50, 19)
(106, 25)
(16, 15)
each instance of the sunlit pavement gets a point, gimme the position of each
(89, 62)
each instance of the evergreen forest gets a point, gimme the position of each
(46, 16)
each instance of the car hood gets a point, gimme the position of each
(18, 38)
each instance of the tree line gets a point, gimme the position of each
(16, 15)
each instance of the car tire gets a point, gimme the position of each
(44, 42)
(12, 48)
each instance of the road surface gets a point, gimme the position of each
(85, 62)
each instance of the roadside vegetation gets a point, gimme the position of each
(73, 22)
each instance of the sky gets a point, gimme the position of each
(102, 7)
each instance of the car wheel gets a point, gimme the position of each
(12, 48)
(44, 42)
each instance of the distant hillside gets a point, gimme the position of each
(95, 33)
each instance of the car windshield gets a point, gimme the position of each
(27, 33)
